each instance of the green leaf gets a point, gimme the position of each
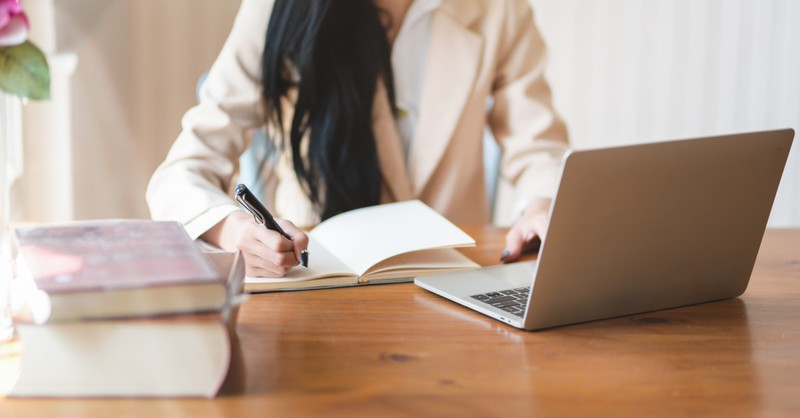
(24, 71)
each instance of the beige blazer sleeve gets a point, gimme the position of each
(530, 133)
(193, 184)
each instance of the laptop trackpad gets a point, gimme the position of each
(487, 279)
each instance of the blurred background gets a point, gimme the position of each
(622, 71)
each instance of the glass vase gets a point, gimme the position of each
(10, 166)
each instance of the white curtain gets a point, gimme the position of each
(626, 71)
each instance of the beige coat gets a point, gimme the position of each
(478, 49)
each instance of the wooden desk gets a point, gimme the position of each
(397, 350)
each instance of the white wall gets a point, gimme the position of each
(138, 62)
(626, 71)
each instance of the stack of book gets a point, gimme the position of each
(124, 308)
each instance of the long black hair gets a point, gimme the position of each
(334, 52)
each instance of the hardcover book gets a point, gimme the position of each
(118, 268)
(152, 356)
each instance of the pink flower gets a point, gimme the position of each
(13, 23)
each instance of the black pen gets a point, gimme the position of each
(262, 216)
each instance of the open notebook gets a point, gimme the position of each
(379, 244)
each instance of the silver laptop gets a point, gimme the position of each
(638, 228)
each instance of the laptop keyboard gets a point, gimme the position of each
(513, 301)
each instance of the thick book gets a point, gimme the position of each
(118, 268)
(378, 244)
(185, 355)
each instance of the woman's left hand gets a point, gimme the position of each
(527, 230)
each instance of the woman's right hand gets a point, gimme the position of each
(266, 252)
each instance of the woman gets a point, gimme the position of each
(365, 102)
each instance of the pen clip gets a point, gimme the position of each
(250, 208)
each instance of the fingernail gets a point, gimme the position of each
(505, 255)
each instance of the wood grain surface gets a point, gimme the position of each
(399, 351)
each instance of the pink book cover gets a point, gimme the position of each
(112, 255)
